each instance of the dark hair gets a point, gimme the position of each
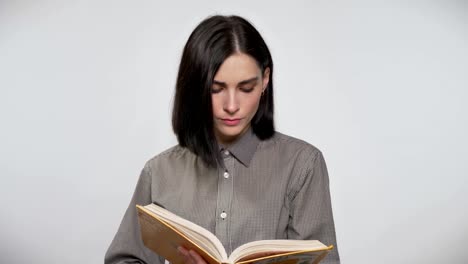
(212, 41)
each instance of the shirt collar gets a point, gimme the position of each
(243, 148)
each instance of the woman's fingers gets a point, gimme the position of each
(183, 251)
(186, 255)
(191, 257)
(198, 259)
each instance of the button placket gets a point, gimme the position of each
(225, 189)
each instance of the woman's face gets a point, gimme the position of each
(237, 88)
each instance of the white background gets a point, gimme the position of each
(379, 86)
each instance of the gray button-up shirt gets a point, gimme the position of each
(272, 189)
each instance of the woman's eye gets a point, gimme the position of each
(216, 90)
(247, 89)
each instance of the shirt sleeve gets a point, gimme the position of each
(311, 216)
(127, 246)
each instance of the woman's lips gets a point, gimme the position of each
(231, 122)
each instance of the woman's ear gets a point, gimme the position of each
(266, 78)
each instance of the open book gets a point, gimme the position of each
(163, 232)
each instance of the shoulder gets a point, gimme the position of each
(286, 151)
(174, 156)
(286, 144)
(294, 157)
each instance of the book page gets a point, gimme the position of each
(266, 248)
(311, 257)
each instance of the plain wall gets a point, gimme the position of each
(379, 86)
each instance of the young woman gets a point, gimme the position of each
(231, 172)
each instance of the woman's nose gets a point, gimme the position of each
(231, 104)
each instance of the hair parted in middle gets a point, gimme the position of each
(209, 45)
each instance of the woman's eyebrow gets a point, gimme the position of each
(223, 84)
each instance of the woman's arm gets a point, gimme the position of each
(127, 245)
(311, 215)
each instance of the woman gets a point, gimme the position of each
(231, 172)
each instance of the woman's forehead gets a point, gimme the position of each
(237, 68)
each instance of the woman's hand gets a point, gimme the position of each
(191, 257)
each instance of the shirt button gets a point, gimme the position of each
(223, 215)
(226, 174)
(226, 153)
